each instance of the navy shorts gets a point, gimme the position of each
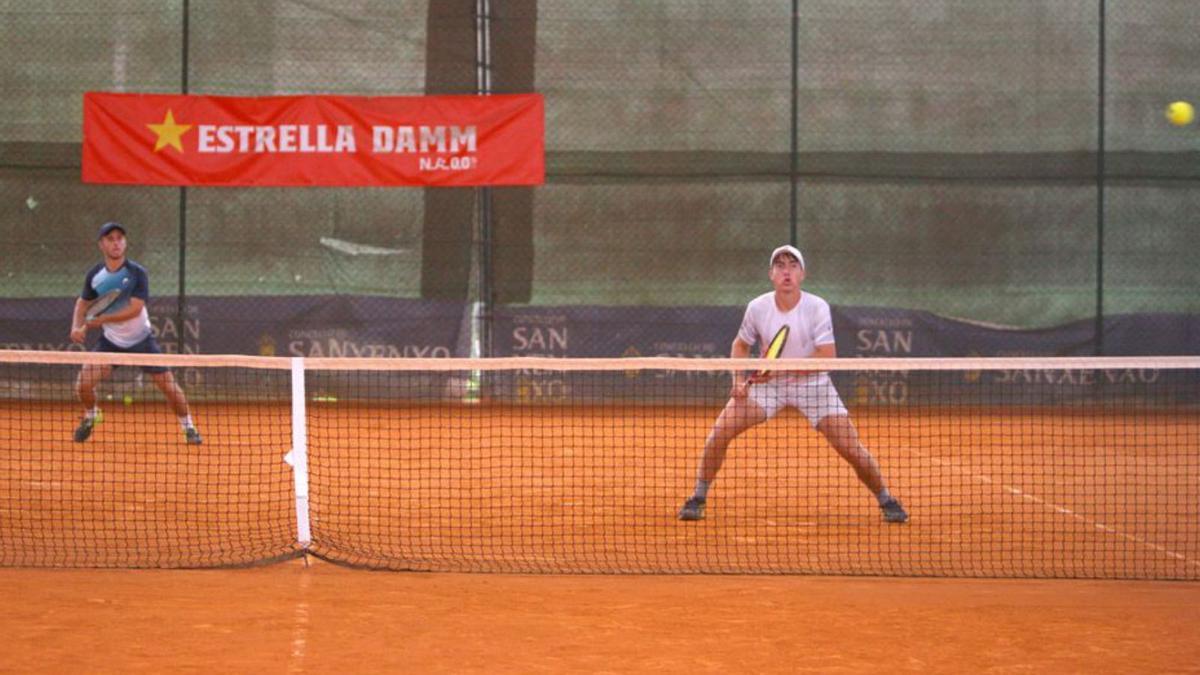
(147, 346)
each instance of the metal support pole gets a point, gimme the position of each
(181, 299)
(793, 177)
(481, 343)
(1100, 179)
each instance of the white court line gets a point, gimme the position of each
(300, 619)
(1017, 492)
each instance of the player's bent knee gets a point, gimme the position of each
(164, 380)
(85, 383)
(837, 424)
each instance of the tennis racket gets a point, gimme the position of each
(775, 348)
(102, 304)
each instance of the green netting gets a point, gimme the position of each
(945, 151)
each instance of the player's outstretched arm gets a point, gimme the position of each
(78, 326)
(741, 382)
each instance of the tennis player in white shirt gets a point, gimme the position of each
(757, 398)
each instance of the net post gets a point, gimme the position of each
(298, 457)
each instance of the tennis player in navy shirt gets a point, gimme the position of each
(125, 329)
(757, 398)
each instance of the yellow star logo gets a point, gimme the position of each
(169, 133)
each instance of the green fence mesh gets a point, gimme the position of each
(944, 153)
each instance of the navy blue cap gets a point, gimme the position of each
(109, 227)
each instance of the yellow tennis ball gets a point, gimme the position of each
(1181, 113)
(128, 399)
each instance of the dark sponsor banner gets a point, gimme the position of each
(311, 326)
(1152, 335)
(334, 326)
(308, 326)
(590, 331)
(356, 326)
(597, 332)
(881, 332)
(861, 332)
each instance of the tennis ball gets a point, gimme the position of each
(1181, 113)
(128, 399)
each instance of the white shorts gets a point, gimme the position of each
(814, 396)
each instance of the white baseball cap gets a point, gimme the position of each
(790, 250)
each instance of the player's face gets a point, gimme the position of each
(112, 245)
(786, 273)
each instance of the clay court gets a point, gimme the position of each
(449, 287)
(594, 488)
(552, 490)
(288, 618)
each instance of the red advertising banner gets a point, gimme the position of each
(167, 139)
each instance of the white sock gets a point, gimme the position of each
(91, 414)
(185, 421)
(884, 496)
(701, 491)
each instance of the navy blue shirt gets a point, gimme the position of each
(133, 282)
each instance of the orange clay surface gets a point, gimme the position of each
(286, 618)
(595, 489)
(486, 488)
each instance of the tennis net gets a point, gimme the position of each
(1066, 467)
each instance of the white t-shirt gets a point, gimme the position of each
(810, 324)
